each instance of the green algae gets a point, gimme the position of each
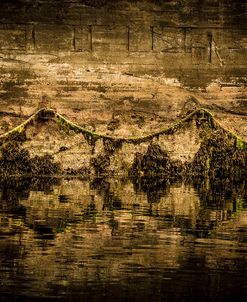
(22, 127)
(221, 152)
(65, 123)
(154, 162)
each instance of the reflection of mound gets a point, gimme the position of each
(41, 201)
(88, 238)
(154, 187)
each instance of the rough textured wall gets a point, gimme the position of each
(140, 63)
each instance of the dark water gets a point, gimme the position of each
(123, 240)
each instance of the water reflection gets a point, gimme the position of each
(123, 240)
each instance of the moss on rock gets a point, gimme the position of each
(17, 161)
(219, 156)
(155, 162)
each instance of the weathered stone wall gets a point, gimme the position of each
(209, 34)
(128, 60)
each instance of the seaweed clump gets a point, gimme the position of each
(155, 162)
(14, 160)
(100, 163)
(218, 157)
(44, 165)
(17, 161)
(111, 145)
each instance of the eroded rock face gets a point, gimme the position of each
(123, 68)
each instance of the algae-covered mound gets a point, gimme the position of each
(220, 155)
(100, 163)
(155, 162)
(17, 161)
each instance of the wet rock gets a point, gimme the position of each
(219, 156)
(17, 161)
(111, 145)
(155, 162)
(100, 163)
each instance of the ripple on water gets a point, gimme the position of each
(74, 240)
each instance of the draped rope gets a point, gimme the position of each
(201, 113)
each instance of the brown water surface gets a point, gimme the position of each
(123, 240)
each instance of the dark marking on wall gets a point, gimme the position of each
(128, 38)
(91, 37)
(210, 41)
(33, 37)
(152, 37)
(73, 39)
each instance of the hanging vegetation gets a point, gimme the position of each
(221, 152)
